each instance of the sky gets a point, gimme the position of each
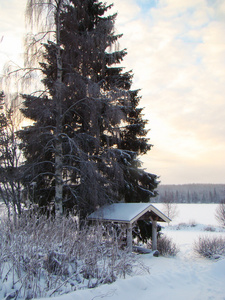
(176, 50)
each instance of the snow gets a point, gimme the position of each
(126, 212)
(186, 276)
(194, 213)
(120, 211)
(171, 278)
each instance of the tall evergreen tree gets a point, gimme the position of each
(77, 149)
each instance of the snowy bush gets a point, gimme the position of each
(183, 225)
(192, 223)
(166, 247)
(40, 256)
(209, 228)
(210, 246)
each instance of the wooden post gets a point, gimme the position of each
(129, 237)
(154, 235)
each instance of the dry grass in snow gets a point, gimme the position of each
(46, 257)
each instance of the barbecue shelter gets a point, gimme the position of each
(128, 214)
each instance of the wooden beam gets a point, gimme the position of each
(154, 235)
(129, 237)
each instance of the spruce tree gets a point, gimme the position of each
(80, 150)
(139, 185)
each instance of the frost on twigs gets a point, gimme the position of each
(166, 247)
(41, 257)
(210, 247)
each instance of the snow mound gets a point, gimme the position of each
(218, 270)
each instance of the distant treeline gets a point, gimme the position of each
(191, 193)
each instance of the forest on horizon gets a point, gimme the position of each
(190, 193)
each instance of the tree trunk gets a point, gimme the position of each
(58, 179)
(58, 143)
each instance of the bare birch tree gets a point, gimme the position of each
(169, 205)
(10, 156)
(220, 212)
(37, 10)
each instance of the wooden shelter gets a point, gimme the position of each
(128, 214)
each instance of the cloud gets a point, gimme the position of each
(12, 30)
(177, 52)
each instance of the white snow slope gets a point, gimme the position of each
(185, 277)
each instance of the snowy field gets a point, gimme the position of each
(185, 277)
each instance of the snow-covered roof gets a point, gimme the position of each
(127, 212)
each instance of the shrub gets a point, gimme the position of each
(166, 247)
(210, 246)
(209, 228)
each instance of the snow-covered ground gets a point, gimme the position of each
(186, 276)
(194, 213)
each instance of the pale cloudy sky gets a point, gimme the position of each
(176, 49)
